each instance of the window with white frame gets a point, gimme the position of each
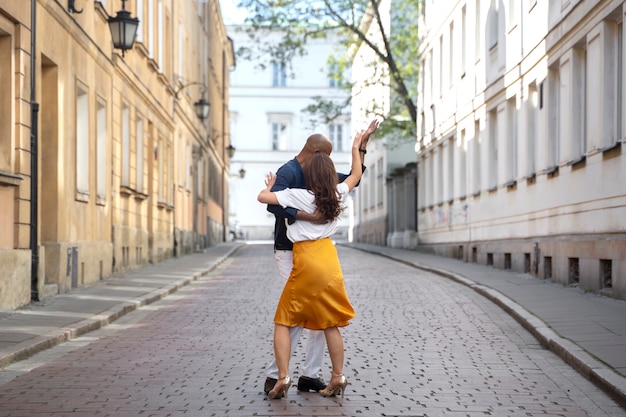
(380, 182)
(140, 27)
(151, 24)
(101, 149)
(532, 117)
(476, 159)
(335, 134)
(279, 136)
(451, 62)
(125, 145)
(492, 151)
(280, 128)
(441, 66)
(620, 80)
(464, 36)
(510, 142)
(82, 140)
(334, 76)
(478, 30)
(279, 74)
(492, 23)
(460, 156)
(6, 102)
(573, 98)
(161, 35)
(551, 161)
(439, 180)
(448, 169)
(139, 155)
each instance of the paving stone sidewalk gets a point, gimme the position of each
(587, 330)
(57, 319)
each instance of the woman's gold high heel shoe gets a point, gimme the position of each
(280, 389)
(341, 386)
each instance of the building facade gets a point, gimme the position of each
(269, 126)
(105, 166)
(521, 138)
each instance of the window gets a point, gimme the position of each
(554, 110)
(478, 30)
(511, 142)
(82, 141)
(492, 161)
(620, 80)
(125, 146)
(448, 169)
(140, 145)
(181, 49)
(476, 158)
(572, 113)
(464, 36)
(279, 136)
(461, 165)
(140, 26)
(101, 150)
(380, 181)
(279, 74)
(6, 102)
(336, 136)
(151, 28)
(493, 23)
(161, 36)
(441, 67)
(335, 77)
(532, 116)
(451, 56)
(439, 184)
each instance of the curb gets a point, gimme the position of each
(584, 363)
(29, 348)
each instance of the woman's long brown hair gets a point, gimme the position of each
(321, 179)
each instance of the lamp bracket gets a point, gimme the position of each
(71, 8)
(186, 84)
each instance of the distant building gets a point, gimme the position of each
(127, 173)
(521, 138)
(268, 125)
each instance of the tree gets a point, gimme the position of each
(394, 46)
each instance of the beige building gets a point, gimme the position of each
(521, 143)
(120, 171)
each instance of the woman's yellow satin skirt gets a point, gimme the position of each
(314, 296)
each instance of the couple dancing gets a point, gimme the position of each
(307, 196)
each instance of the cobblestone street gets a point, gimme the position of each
(421, 345)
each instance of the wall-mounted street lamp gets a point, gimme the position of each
(231, 150)
(201, 106)
(123, 29)
(242, 173)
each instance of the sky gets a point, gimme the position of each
(230, 12)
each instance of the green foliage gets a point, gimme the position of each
(396, 53)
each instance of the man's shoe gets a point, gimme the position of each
(269, 384)
(310, 384)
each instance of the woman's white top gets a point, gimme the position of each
(302, 199)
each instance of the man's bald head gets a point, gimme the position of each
(316, 143)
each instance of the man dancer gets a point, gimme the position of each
(291, 175)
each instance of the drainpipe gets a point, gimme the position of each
(34, 173)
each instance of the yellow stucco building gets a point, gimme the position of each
(105, 165)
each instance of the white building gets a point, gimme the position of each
(268, 126)
(521, 140)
